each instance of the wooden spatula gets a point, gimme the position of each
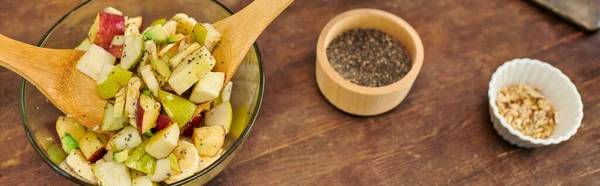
(53, 71)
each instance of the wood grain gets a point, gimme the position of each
(439, 135)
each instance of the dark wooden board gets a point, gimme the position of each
(439, 135)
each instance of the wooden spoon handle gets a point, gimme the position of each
(17, 56)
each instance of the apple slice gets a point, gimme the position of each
(105, 27)
(209, 140)
(68, 125)
(224, 96)
(177, 108)
(221, 115)
(163, 170)
(150, 80)
(111, 79)
(118, 40)
(148, 111)
(206, 35)
(161, 68)
(162, 122)
(135, 21)
(111, 173)
(128, 138)
(188, 129)
(111, 123)
(84, 45)
(93, 60)
(192, 69)
(132, 29)
(170, 27)
(112, 10)
(116, 51)
(156, 33)
(92, 146)
(187, 51)
(185, 23)
(80, 165)
(121, 156)
(161, 144)
(208, 88)
(132, 51)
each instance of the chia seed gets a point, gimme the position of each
(368, 57)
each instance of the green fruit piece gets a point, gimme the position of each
(147, 92)
(161, 68)
(240, 121)
(179, 109)
(206, 35)
(175, 38)
(84, 45)
(68, 143)
(121, 156)
(179, 56)
(150, 79)
(132, 51)
(70, 126)
(56, 153)
(128, 138)
(221, 115)
(111, 123)
(148, 134)
(118, 40)
(173, 162)
(140, 160)
(192, 69)
(208, 88)
(158, 22)
(147, 114)
(185, 23)
(162, 144)
(111, 79)
(157, 34)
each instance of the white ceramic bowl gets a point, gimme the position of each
(553, 84)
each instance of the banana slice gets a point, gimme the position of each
(188, 158)
(111, 173)
(205, 161)
(79, 165)
(163, 170)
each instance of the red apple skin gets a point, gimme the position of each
(189, 127)
(110, 25)
(162, 122)
(139, 117)
(97, 155)
(116, 50)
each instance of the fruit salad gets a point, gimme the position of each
(154, 80)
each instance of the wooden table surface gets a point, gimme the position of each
(439, 135)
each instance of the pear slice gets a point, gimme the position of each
(208, 88)
(161, 144)
(191, 69)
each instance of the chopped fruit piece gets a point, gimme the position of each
(118, 40)
(133, 95)
(170, 27)
(150, 79)
(161, 68)
(148, 111)
(132, 51)
(111, 123)
(209, 140)
(188, 129)
(177, 108)
(142, 181)
(188, 161)
(105, 27)
(111, 173)
(121, 156)
(92, 146)
(206, 35)
(116, 51)
(84, 45)
(185, 23)
(162, 122)
(128, 138)
(68, 125)
(119, 106)
(163, 170)
(145, 164)
(56, 154)
(175, 60)
(158, 22)
(156, 33)
(68, 143)
(135, 21)
(80, 165)
(208, 88)
(221, 115)
(148, 134)
(111, 79)
(224, 96)
(192, 69)
(175, 38)
(163, 142)
(93, 60)
(173, 162)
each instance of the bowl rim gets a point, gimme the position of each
(557, 72)
(234, 147)
(406, 81)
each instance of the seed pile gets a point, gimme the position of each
(368, 57)
(526, 110)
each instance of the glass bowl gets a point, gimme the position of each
(39, 115)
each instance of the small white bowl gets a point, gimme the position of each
(553, 84)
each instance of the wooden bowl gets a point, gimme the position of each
(361, 100)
